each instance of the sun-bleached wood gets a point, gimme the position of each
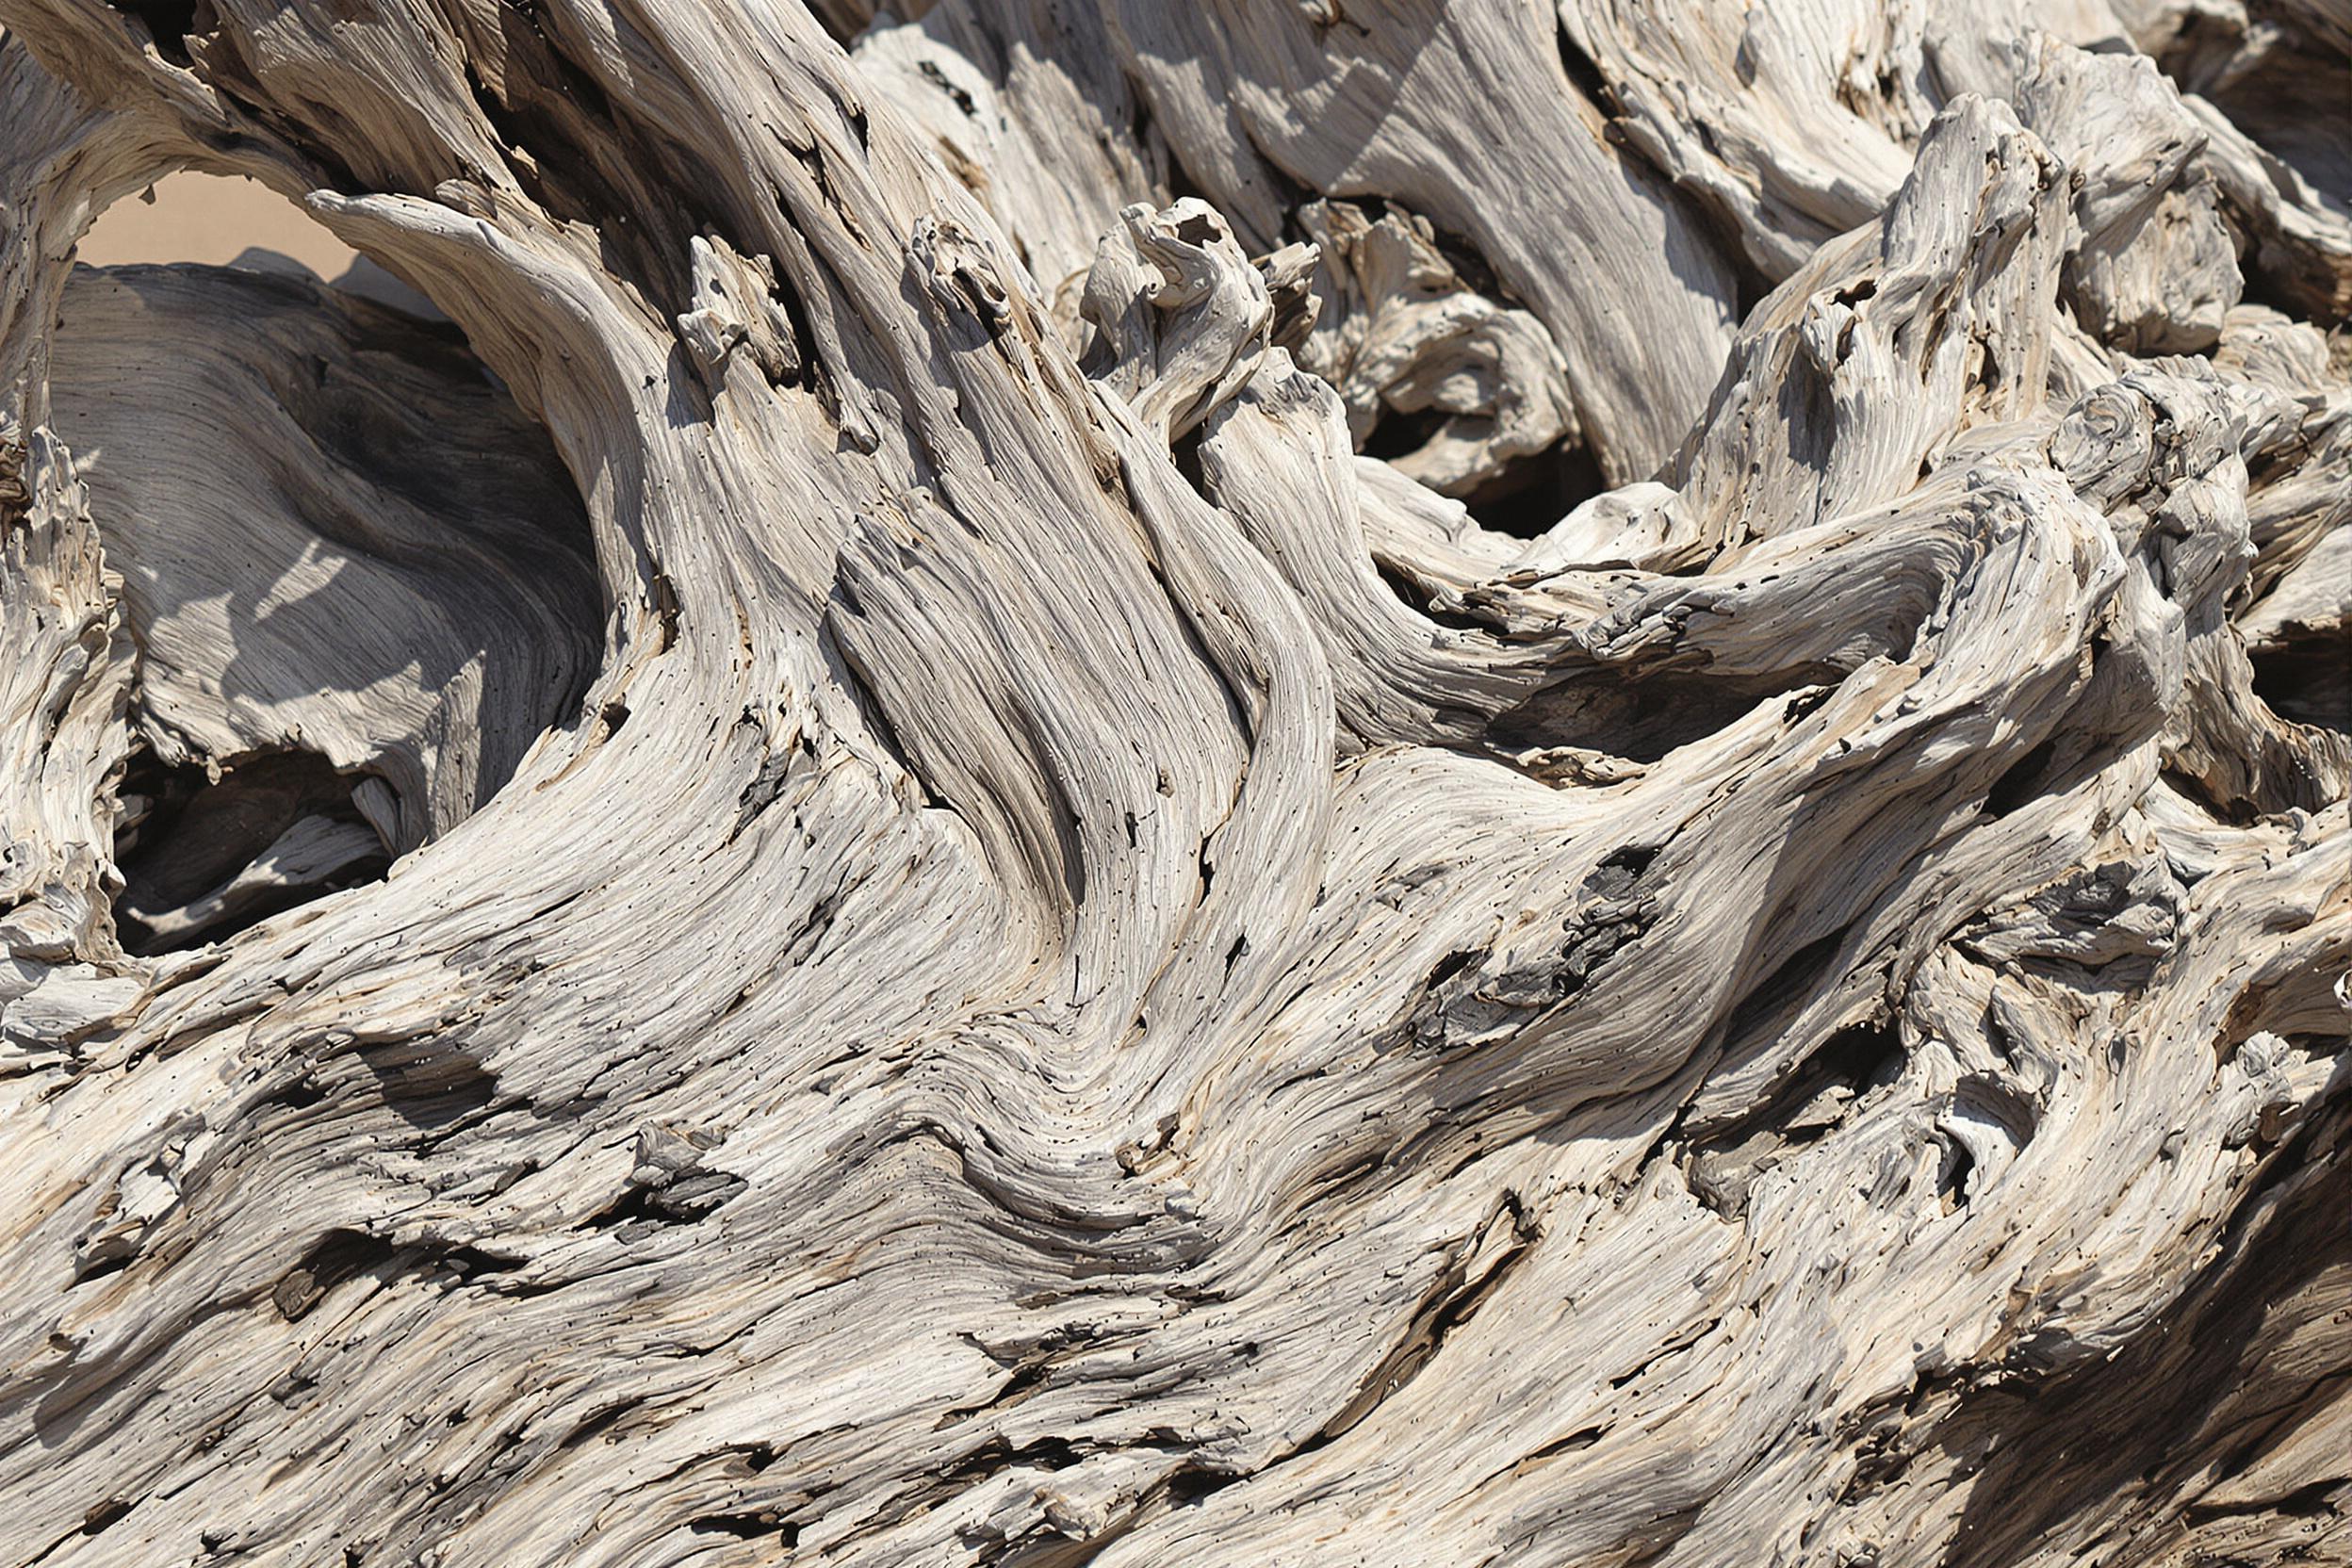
(1005, 944)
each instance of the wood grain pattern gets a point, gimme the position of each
(1249, 783)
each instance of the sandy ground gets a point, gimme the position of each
(204, 218)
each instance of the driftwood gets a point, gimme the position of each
(1230, 783)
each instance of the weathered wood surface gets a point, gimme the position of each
(1017, 932)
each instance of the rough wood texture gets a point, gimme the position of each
(1061, 888)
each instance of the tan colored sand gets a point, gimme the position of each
(208, 218)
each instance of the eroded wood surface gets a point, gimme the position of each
(1243, 783)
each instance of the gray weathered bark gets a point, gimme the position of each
(900, 864)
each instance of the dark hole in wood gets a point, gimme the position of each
(2308, 679)
(204, 859)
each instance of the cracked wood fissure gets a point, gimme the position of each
(1028, 920)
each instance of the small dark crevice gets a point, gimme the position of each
(748, 1526)
(99, 1268)
(669, 1186)
(1451, 965)
(996, 1455)
(2021, 783)
(1416, 598)
(1462, 253)
(169, 23)
(1804, 704)
(1751, 286)
(599, 1423)
(299, 1095)
(190, 848)
(510, 131)
(2237, 810)
(1192, 1482)
(809, 375)
(1340, 1181)
(2305, 1502)
(96, 1521)
(468, 1262)
(1641, 716)
(641, 1211)
(665, 609)
(1534, 493)
(1199, 229)
(1863, 1055)
(339, 1256)
(1399, 434)
(1584, 73)
(1028, 1377)
(1671, 1348)
(2308, 679)
(1407, 592)
(811, 928)
(1186, 453)
(1140, 124)
(1952, 1180)
(1619, 870)
(1575, 1441)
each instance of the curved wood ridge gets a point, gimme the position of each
(1087, 782)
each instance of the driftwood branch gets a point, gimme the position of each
(1231, 783)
